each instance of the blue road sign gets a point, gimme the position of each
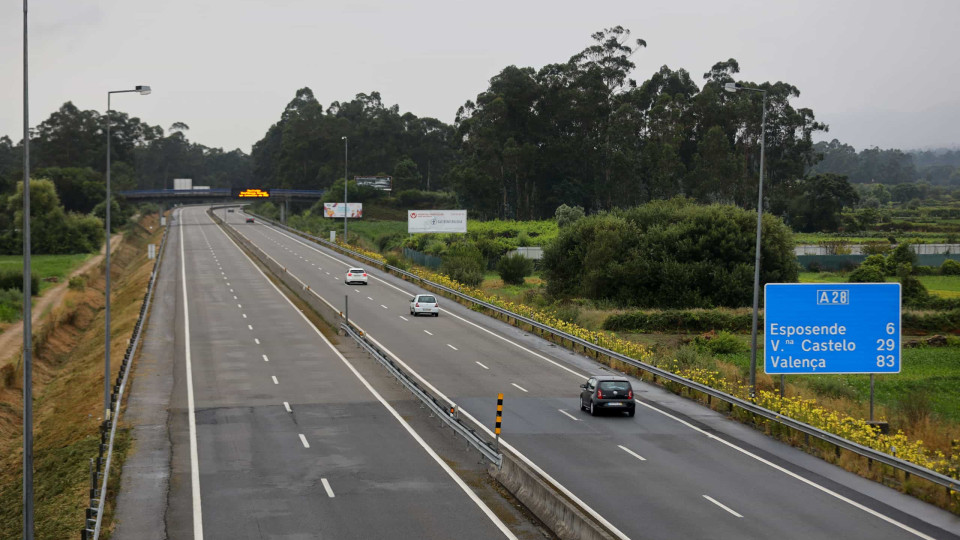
(831, 328)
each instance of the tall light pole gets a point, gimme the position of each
(142, 90)
(736, 87)
(345, 155)
(27, 311)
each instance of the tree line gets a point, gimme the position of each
(891, 166)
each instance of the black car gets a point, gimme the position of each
(607, 392)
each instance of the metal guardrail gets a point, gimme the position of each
(448, 416)
(98, 496)
(870, 453)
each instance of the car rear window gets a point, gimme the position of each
(427, 300)
(615, 385)
(356, 271)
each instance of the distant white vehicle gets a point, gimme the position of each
(424, 303)
(356, 275)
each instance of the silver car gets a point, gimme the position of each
(424, 304)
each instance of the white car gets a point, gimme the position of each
(356, 275)
(424, 303)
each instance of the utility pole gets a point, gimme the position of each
(27, 311)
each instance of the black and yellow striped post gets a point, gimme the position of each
(496, 429)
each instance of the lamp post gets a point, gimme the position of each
(27, 312)
(736, 87)
(142, 90)
(345, 155)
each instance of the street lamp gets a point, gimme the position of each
(345, 154)
(27, 312)
(736, 87)
(142, 90)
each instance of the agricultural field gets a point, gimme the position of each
(45, 266)
(943, 286)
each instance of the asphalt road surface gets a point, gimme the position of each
(676, 470)
(274, 433)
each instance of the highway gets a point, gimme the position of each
(275, 434)
(675, 470)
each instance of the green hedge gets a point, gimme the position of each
(681, 321)
(922, 322)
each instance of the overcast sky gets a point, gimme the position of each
(879, 72)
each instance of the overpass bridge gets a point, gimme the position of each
(215, 195)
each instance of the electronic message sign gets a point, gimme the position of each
(249, 193)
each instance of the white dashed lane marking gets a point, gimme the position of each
(452, 347)
(572, 417)
(287, 406)
(721, 505)
(326, 486)
(275, 381)
(404, 318)
(428, 332)
(256, 340)
(520, 387)
(303, 439)
(631, 452)
(265, 359)
(483, 366)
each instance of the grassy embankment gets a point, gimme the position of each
(49, 269)
(68, 394)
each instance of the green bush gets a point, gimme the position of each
(723, 343)
(78, 283)
(565, 215)
(668, 254)
(396, 260)
(513, 268)
(464, 263)
(14, 280)
(924, 271)
(11, 305)
(902, 254)
(950, 267)
(867, 273)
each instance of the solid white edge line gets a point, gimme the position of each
(481, 365)
(631, 452)
(520, 387)
(572, 417)
(721, 505)
(326, 487)
(565, 368)
(423, 444)
(191, 412)
(303, 439)
(286, 406)
(792, 474)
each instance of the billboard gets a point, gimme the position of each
(383, 183)
(436, 221)
(250, 193)
(335, 210)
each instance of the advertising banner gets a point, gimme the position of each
(436, 221)
(383, 183)
(335, 210)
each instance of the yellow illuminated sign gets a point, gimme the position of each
(253, 193)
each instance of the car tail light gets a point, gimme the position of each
(417, 304)
(349, 274)
(630, 394)
(599, 394)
